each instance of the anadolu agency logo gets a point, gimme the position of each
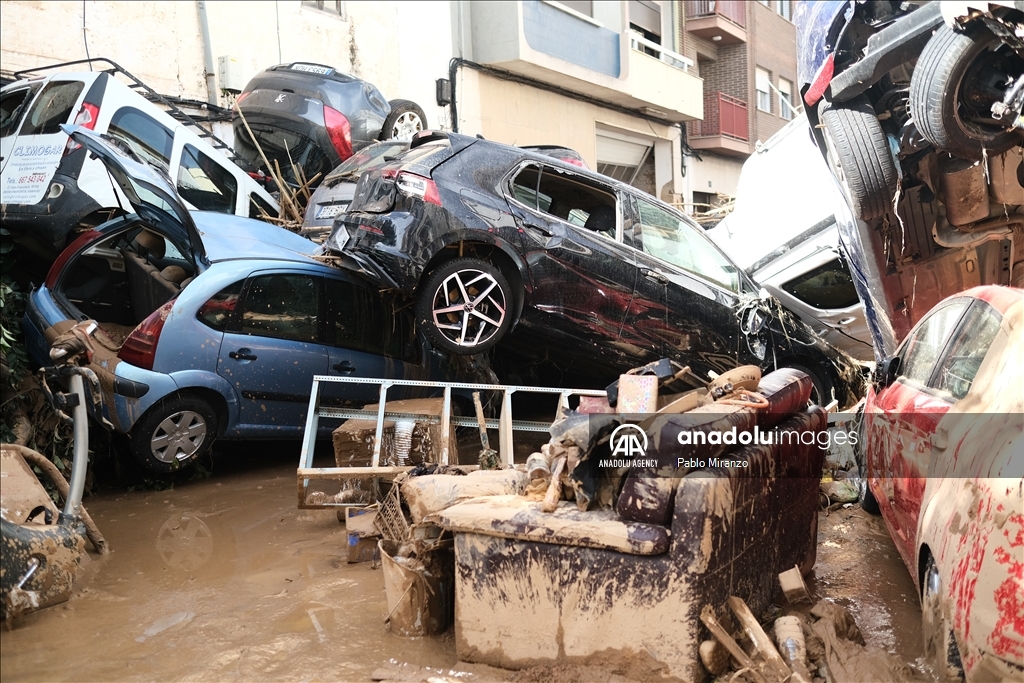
(628, 444)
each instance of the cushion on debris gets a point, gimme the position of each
(434, 492)
(521, 519)
(787, 391)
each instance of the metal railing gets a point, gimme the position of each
(723, 115)
(641, 44)
(504, 424)
(733, 10)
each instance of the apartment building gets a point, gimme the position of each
(745, 52)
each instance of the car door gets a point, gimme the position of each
(687, 292)
(582, 275)
(368, 337)
(902, 419)
(273, 348)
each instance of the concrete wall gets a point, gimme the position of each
(401, 47)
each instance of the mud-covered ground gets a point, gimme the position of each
(224, 579)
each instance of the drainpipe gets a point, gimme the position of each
(204, 25)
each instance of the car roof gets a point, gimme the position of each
(227, 237)
(999, 297)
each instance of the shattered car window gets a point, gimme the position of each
(924, 347)
(12, 105)
(669, 238)
(204, 183)
(829, 286)
(282, 306)
(146, 138)
(956, 374)
(567, 198)
(54, 106)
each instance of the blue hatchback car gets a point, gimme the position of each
(211, 325)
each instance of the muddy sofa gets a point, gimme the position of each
(599, 587)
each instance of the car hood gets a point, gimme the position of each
(148, 189)
(228, 237)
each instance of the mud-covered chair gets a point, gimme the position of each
(589, 587)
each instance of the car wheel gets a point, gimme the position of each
(174, 433)
(868, 502)
(860, 152)
(939, 643)
(405, 120)
(465, 306)
(958, 77)
(821, 385)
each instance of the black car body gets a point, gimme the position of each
(314, 116)
(591, 273)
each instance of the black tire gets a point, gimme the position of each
(174, 433)
(821, 385)
(940, 648)
(405, 120)
(955, 118)
(465, 329)
(860, 152)
(868, 502)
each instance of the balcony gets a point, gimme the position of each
(724, 128)
(721, 21)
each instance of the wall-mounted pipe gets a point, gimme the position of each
(204, 26)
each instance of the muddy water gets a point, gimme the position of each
(225, 580)
(218, 580)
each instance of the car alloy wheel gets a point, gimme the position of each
(405, 120)
(174, 433)
(466, 305)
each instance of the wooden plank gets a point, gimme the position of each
(707, 616)
(758, 637)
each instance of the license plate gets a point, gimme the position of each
(313, 69)
(330, 211)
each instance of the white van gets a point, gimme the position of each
(50, 188)
(783, 233)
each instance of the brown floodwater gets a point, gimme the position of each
(224, 579)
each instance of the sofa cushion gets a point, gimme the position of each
(435, 492)
(518, 518)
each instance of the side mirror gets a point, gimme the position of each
(887, 371)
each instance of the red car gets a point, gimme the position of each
(944, 435)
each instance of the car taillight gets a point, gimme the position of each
(820, 82)
(65, 256)
(339, 132)
(139, 348)
(418, 186)
(86, 118)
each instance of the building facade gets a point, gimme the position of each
(745, 52)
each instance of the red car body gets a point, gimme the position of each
(945, 463)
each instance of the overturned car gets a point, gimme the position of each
(498, 244)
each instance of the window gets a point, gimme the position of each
(923, 348)
(968, 351)
(204, 183)
(829, 286)
(673, 240)
(786, 99)
(146, 138)
(332, 6)
(764, 87)
(584, 7)
(783, 8)
(220, 309)
(565, 197)
(258, 207)
(282, 306)
(54, 106)
(12, 106)
(363, 320)
(645, 19)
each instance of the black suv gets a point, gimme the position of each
(488, 238)
(315, 116)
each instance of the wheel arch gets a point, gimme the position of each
(210, 396)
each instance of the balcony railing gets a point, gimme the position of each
(733, 10)
(723, 115)
(649, 47)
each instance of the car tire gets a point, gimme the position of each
(405, 120)
(174, 433)
(861, 155)
(938, 102)
(868, 502)
(441, 306)
(940, 646)
(821, 385)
